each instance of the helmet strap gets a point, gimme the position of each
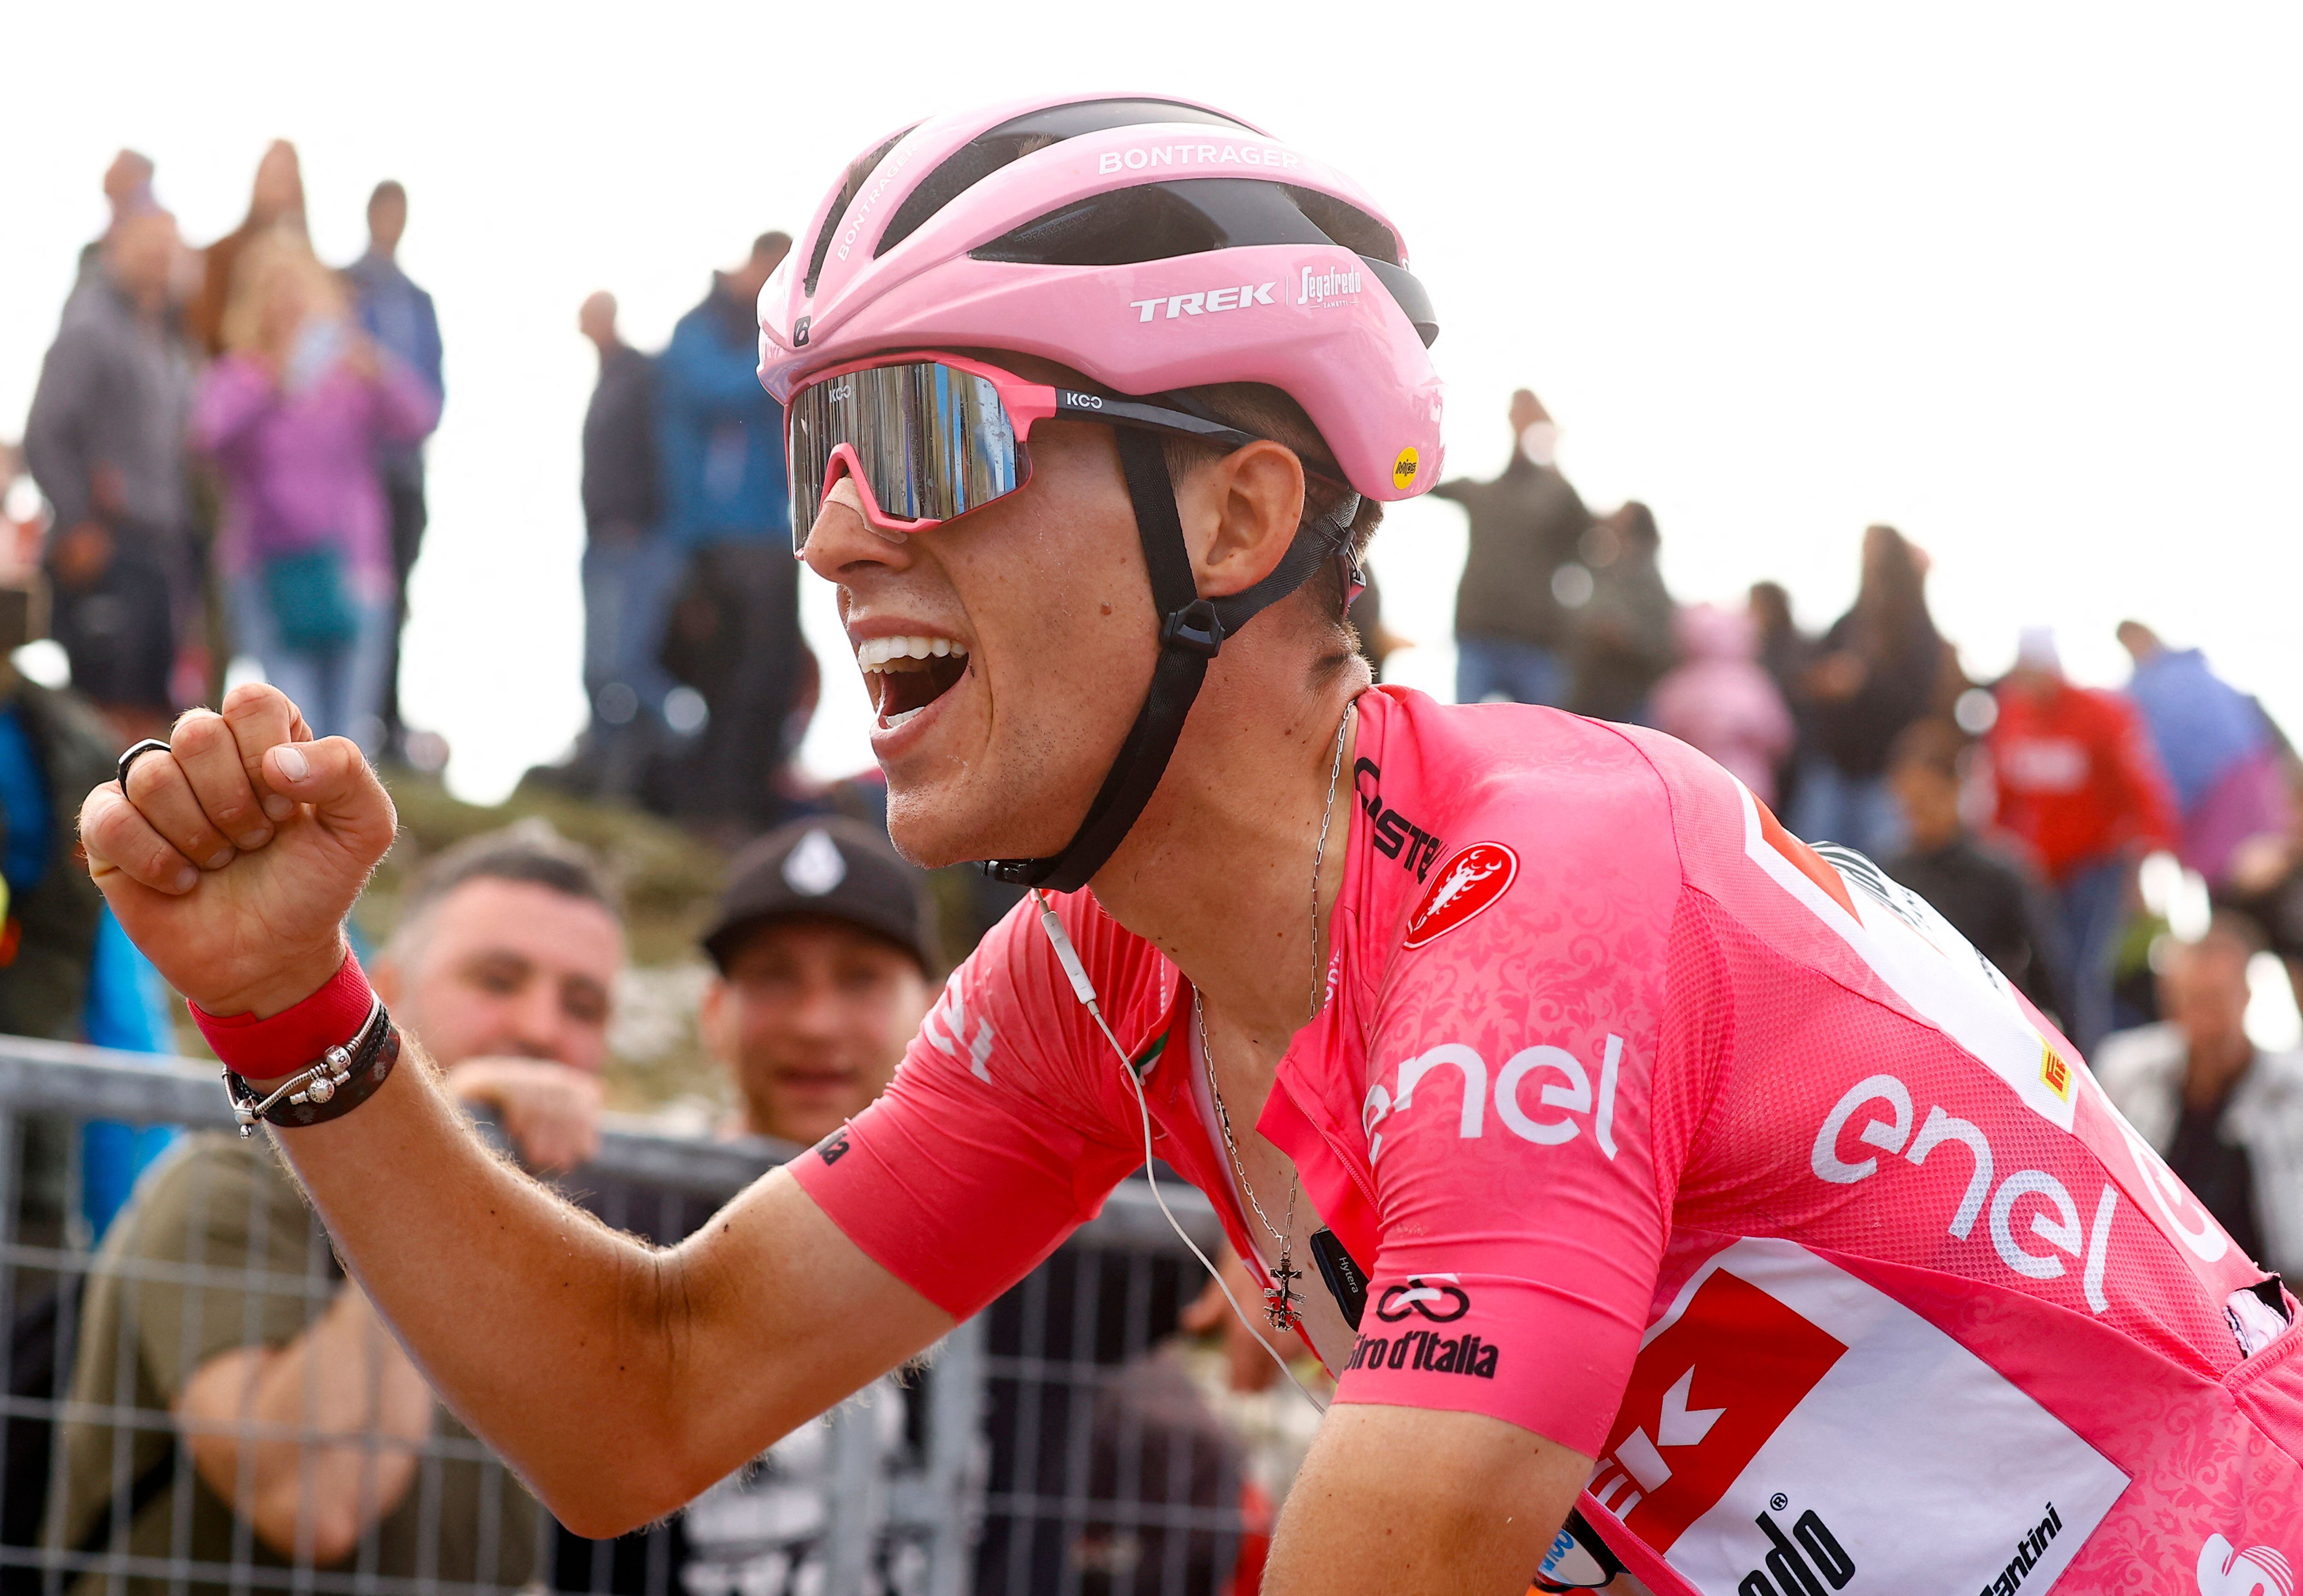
(1192, 631)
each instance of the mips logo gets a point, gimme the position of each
(1403, 469)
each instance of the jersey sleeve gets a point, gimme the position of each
(1522, 1181)
(1002, 1132)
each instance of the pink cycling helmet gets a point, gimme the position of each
(1154, 245)
(1150, 243)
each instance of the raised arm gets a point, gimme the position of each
(232, 863)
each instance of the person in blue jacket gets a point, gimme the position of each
(734, 633)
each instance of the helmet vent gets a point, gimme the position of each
(1189, 216)
(857, 175)
(1025, 135)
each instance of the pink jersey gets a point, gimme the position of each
(1665, 1136)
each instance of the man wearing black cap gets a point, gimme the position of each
(824, 943)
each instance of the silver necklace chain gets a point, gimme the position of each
(1280, 1297)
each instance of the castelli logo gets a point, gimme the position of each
(1468, 883)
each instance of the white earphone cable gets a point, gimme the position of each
(1084, 989)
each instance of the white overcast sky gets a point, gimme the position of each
(2022, 280)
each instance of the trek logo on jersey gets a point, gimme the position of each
(1395, 836)
(2028, 1552)
(1704, 1396)
(1426, 1352)
(1209, 301)
(1780, 1401)
(1794, 1560)
(2223, 1570)
(1469, 882)
(833, 1147)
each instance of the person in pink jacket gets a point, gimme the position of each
(1720, 700)
(293, 415)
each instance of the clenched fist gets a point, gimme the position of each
(232, 860)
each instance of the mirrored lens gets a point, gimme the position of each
(931, 442)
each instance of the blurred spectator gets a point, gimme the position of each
(274, 205)
(734, 636)
(1722, 701)
(2218, 747)
(2079, 783)
(2266, 879)
(1163, 1476)
(1784, 652)
(294, 415)
(2227, 1118)
(1878, 669)
(1510, 635)
(630, 566)
(823, 944)
(1989, 897)
(127, 192)
(824, 947)
(399, 316)
(1619, 627)
(105, 442)
(507, 951)
(1266, 1415)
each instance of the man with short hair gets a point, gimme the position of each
(105, 442)
(823, 949)
(1511, 632)
(2226, 1116)
(399, 316)
(734, 635)
(504, 961)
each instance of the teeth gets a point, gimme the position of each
(879, 654)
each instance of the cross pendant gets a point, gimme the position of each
(1280, 1297)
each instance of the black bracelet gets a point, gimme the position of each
(341, 1079)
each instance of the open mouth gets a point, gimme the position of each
(904, 675)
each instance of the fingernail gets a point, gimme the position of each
(187, 879)
(293, 765)
(278, 808)
(259, 837)
(221, 860)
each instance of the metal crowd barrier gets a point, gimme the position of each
(1044, 1446)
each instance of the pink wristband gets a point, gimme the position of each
(266, 1048)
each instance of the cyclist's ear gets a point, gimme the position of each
(1240, 513)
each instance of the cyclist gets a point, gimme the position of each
(1619, 1151)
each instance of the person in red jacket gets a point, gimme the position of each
(2079, 781)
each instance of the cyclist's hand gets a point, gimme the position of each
(233, 857)
(552, 1111)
